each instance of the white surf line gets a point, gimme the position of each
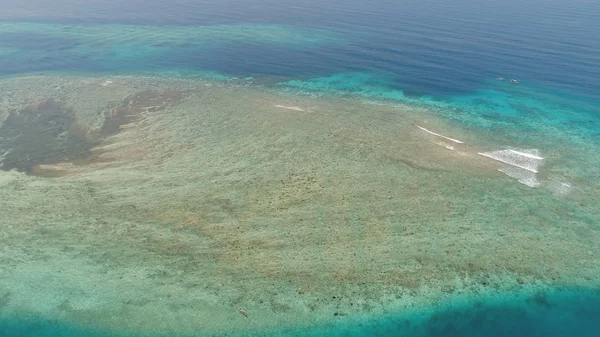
(528, 155)
(437, 134)
(507, 162)
(295, 108)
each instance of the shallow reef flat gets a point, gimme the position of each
(166, 204)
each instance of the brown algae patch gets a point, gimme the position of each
(225, 200)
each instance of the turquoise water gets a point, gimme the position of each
(442, 57)
(559, 313)
(497, 104)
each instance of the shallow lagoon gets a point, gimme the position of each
(203, 196)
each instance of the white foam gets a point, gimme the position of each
(529, 155)
(437, 134)
(524, 160)
(523, 176)
(106, 83)
(522, 165)
(295, 108)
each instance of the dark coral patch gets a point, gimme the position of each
(45, 132)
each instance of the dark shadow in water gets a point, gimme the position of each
(41, 133)
(560, 314)
(47, 132)
(491, 321)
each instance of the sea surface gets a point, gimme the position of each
(453, 59)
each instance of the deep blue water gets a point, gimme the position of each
(429, 52)
(429, 47)
(442, 54)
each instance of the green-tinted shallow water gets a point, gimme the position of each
(319, 214)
